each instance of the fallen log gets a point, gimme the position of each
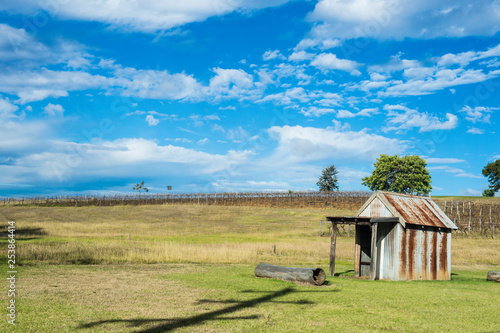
(493, 276)
(314, 276)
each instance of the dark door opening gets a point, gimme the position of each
(364, 244)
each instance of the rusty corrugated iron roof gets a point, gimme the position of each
(414, 209)
(418, 210)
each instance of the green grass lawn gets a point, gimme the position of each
(228, 298)
(189, 268)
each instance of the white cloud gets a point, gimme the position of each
(470, 192)
(475, 130)
(300, 56)
(419, 80)
(314, 111)
(322, 44)
(465, 58)
(38, 85)
(288, 70)
(441, 79)
(156, 84)
(404, 18)
(21, 50)
(409, 119)
(151, 120)
(17, 44)
(53, 109)
(348, 175)
(443, 160)
(7, 109)
(456, 172)
(237, 134)
(345, 114)
(330, 61)
(232, 83)
(120, 158)
(219, 128)
(270, 55)
(22, 137)
(306, 44)
(203, 141)
(145, 16)
(339, 127)
(183, 140)
(302, 144)
(297, 94)
(478, 114)
(395, 64)
(368, 112)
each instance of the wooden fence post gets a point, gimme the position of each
(470, 215)
(333, 245)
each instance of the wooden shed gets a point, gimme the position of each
(399, 237)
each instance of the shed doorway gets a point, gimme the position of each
(364, 249)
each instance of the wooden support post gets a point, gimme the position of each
(357, 252)
(332, 249)
(374, 254)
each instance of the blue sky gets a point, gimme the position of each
(231, 95)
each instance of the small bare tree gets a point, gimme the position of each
(140, 187)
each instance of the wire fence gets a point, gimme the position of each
(473, 217)
(349, 200)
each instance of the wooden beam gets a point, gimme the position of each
(384, 219)
(332, 249)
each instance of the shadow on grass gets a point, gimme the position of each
(344, 273)
(164, 325)
(23, 232)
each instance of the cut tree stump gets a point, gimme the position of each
(493, 276)
(314, 276)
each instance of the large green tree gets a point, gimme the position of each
(492, 171)
(405, 174)
(328, 181)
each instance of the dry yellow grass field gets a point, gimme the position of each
(195, 234)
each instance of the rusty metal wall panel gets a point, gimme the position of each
(428, 254)
(425, 260)
(444, 255)
(402, 253)
(448, 253)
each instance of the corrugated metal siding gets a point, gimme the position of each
(387, 265)
(424, 253)
(376, 209)
(418, 210)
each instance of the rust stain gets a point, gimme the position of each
(412, 238)
(433, 255)
(403, 255)
(376, 208)
(415, 210)
(424, 257)
(443, 257)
